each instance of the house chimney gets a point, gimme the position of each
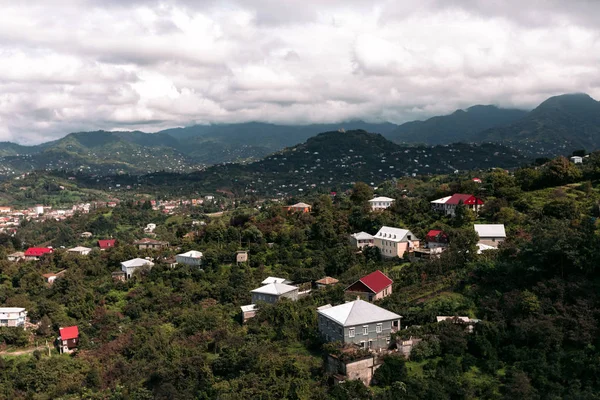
(357, 297)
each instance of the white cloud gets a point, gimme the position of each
(91, 64)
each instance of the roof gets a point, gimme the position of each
(11, 309)
(300, 205)
(38, 251)
(79, 249)
(436, 234)
(483, 247)
(464, 198)
(357, 312)
(16, 254)
(327, 281)
(381, 198)
(490, 230)
(249, 307)
(394, 234)
(274, 279)
(192, 254)
(362, 236)
(49, 275)
(136, 262)
(70, 332)
(148, 241)
(443, 200)
(106, 243)
(275, 288)
(376, 281)
(444, 318)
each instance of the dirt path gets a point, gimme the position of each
(21, 352)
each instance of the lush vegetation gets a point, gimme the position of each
(176, 333)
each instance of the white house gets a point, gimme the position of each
(80, 250)
(380, 203)
(362, 239)
(394, 242)
(130, 266)
(191, 257)
(12, 316)
(490, 234)
(150, 228)
(577, 159)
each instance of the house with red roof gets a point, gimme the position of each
(68, 339)
(106, 243)
(448, 204)
(374, 286)
(34, 253)
(436, 239)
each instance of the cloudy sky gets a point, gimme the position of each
(124, 64)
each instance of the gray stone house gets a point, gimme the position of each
(272, 292)
(358, 322)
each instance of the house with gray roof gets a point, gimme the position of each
(394, 242)
(490, 234)
(272, 292)
(361, 240)
(358, 322)
(130, 266)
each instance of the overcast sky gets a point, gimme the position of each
(124, 64)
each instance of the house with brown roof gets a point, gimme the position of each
(299, 207)
(326, 282)
(374, 286)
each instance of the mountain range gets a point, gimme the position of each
(559, 125)
(328, 161)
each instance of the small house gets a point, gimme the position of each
(85, 235)
(299, 207)
(150, 244)
(436, 239)
(119, 276)
(577, 160)
(34, 253)
(326, 282)
(130, 266)
(248, 311)
(191, 257)
(13, 316)
(374, 286)
(106, 243)
(16, 256)
(490, 234)
(272, 292)
(380, 203)
(68, 339)
(361, 240)
(80, 250)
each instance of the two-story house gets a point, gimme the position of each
(68, 339)
(358, 322)
(394, 242)
(191, 257)
(374, 286)
(361, 240)
(490, 234)
(272, 292)
(13, 316)
(448, 204)
(380, 203)
(130, 266)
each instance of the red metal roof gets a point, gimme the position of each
(38, 251)
(467, 199)
(436, 234)
(106, 243)
(376, 281)
(70, 332)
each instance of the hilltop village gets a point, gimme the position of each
(386, 292)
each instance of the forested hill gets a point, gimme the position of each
(334, 161)
(559, 125)
(459, 126)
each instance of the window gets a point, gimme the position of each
(379, 328)
(365, 329)
(351, 332)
